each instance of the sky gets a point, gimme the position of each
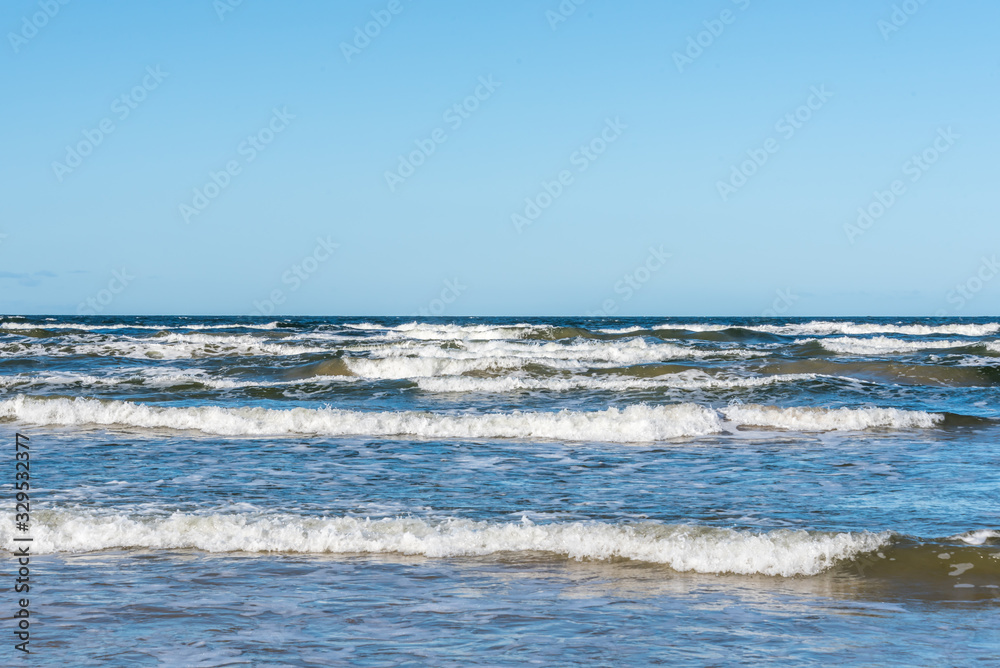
(500, 157)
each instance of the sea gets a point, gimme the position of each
(234, 491)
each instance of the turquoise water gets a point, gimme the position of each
(322, 491)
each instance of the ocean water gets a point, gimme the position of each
(487, 491)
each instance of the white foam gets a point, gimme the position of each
(881, 345)
(439, 376)
(978, 537)
(623, 330)
(96, 328)
(408, 359)
(826, 327)
(171, 346)
(429, 331)
(153, 377)
(638, 423)
(634, 424)
(850, 328)
(382, 358)
(625, 351)
(829, 419)
(691, 379)
(384, 368)
(681, 547)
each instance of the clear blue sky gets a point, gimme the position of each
(674, 127)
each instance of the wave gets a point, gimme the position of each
(153, 378)
(416, 361)
(428, 331)
(830, 419)
(697, 549)
(691, 379)
(554, 332)
(369, 358)
(82, 327)
(881, 345)
(435, 376)
(826, 328)
(170, 346)
(977, 537)
(735, 332)
(639, 423)
(964, 562)
(982, 374)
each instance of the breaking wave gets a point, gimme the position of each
(640, 423)
(681, 547)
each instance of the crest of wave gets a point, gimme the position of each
(881, 345)
(821, 328)
(430, 331)
(691, 379)
(170, 346)
(810, 418)
(407, 360)
(681, 547)
(633, 424)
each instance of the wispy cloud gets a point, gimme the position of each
(28, 280)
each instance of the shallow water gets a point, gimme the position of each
(228, 491)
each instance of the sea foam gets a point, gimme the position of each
(698, 549)
(882, 345)
(829, 419)
(638, 423)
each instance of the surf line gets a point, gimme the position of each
(22, 541)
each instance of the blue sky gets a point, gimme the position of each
(251, 157)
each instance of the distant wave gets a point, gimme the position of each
(161, 378)
(421, 331)
(429, 377)
(881, 345)
(639, 423)
(687, 380)
(418, 330)
(413, 362)
(84, 327)
(825, 328)
(428, 331)
(169, 346)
